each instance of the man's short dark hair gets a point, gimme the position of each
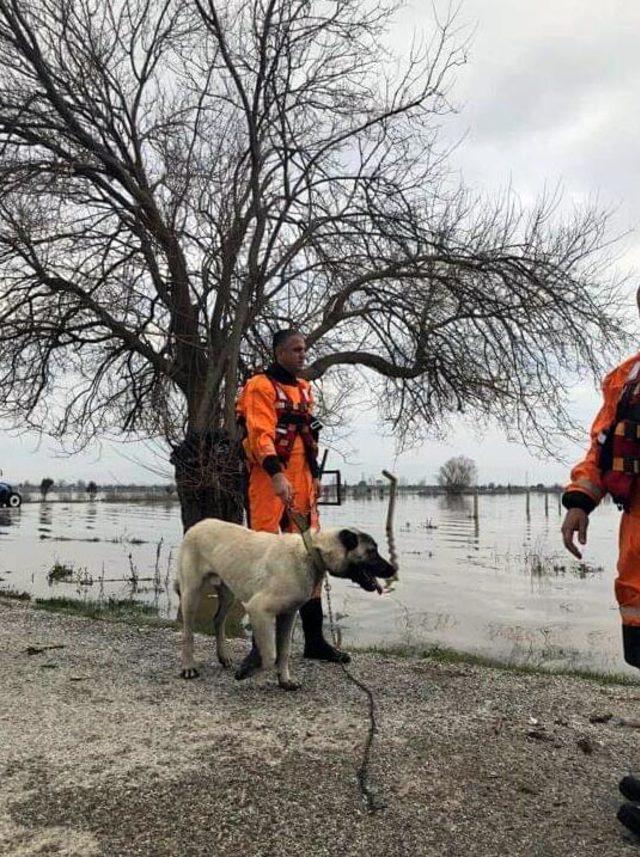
(281, 336)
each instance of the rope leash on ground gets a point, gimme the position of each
(374, 801)
(372, 798)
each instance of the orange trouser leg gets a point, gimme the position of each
(266, 510)
(628, 580)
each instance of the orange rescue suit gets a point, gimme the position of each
(257, 409)
(587, 489)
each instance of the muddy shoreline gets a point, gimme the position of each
(104, 751)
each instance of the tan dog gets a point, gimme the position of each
(272, 575)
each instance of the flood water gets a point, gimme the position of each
(500, 586)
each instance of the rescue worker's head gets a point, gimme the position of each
(289, 349)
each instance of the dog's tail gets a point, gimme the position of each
(176, 589)
(183, 565)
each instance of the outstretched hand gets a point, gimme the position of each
(575, 521)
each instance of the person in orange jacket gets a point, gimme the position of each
(275, 410)
(610, 467)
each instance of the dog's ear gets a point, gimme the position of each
(348, 539)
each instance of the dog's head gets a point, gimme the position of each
(353, 554)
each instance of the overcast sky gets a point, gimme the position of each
(549, 94)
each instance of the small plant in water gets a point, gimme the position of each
(536, 564)
(584, 570)
(59, 571)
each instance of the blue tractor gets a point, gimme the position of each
(9, 497)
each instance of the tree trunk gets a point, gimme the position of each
(209, 470)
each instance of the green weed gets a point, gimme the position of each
(7, 592)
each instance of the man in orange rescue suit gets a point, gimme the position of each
(611, 466)
(276, 410)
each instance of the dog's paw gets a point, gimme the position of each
(189, 673)
(242, 672)
(289, 685)
(225, 662)
(249, 666)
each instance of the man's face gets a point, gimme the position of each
(291, 354)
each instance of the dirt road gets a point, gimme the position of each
(105, 751)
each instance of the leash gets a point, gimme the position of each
(373, 800)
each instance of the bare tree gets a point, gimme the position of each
(179, 178)
(457, 474)
(45, 486)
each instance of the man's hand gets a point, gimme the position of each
(576, 520)
(282, 488)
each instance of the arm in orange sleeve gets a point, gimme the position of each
(260, 415)
(586, 490)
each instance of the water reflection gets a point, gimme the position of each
(45, 519)
(5, 518)
(91, 513)
(456, 503)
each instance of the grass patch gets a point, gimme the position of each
(7, 592)
(444, 655)
(134, 612)
(111, 609)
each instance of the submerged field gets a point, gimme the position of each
(499, 586)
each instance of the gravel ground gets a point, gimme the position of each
(105, 751)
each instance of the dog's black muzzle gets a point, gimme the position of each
(364, 573)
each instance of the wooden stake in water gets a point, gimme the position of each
(393, 557)
(546, 504)
(475, 505)
(528, 504)
(560, 504)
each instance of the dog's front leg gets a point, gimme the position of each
(284, 628)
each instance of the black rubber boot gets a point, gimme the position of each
(315, 645)
(629, 815)
(251, 664)
(631, 644)
(630, 788)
